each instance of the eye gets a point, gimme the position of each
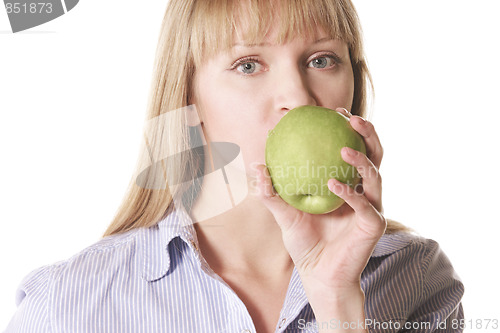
(247, 66)
(323, 61)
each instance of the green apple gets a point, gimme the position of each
(303, 153)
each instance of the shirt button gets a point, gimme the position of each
(246, 331)
(282, 322)
(194, 245)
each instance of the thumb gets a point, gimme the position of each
(282, 212)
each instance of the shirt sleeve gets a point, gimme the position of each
(31, 301)
(439, 308)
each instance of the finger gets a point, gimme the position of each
(284, 214)
(374, 149)
(372, 220)
(344, 112)
(372, 181)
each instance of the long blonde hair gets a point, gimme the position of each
(196, 29)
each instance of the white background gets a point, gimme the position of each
(73, 95)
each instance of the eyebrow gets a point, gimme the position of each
(321, 40)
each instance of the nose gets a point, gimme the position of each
(292, 90)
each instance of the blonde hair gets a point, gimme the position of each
(196, 29)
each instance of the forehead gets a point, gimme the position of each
(218, 24)
(272, 38)
(254, 24)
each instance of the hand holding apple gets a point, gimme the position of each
(331, 250)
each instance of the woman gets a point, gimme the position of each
(202, 243)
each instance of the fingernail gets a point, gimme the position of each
(345, 110)
(351, 152)
(334, 186)
(363, 120)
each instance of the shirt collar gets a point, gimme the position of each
(178, 223)
(154, 242)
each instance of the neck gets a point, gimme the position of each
(245, 239)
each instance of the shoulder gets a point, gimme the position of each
(411, 257)
(72, 276)
(107, 255)
(393, 243)
(410, 277)
(101, 255)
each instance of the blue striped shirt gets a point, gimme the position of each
(155, 280)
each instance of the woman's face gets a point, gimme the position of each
(242, 93)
